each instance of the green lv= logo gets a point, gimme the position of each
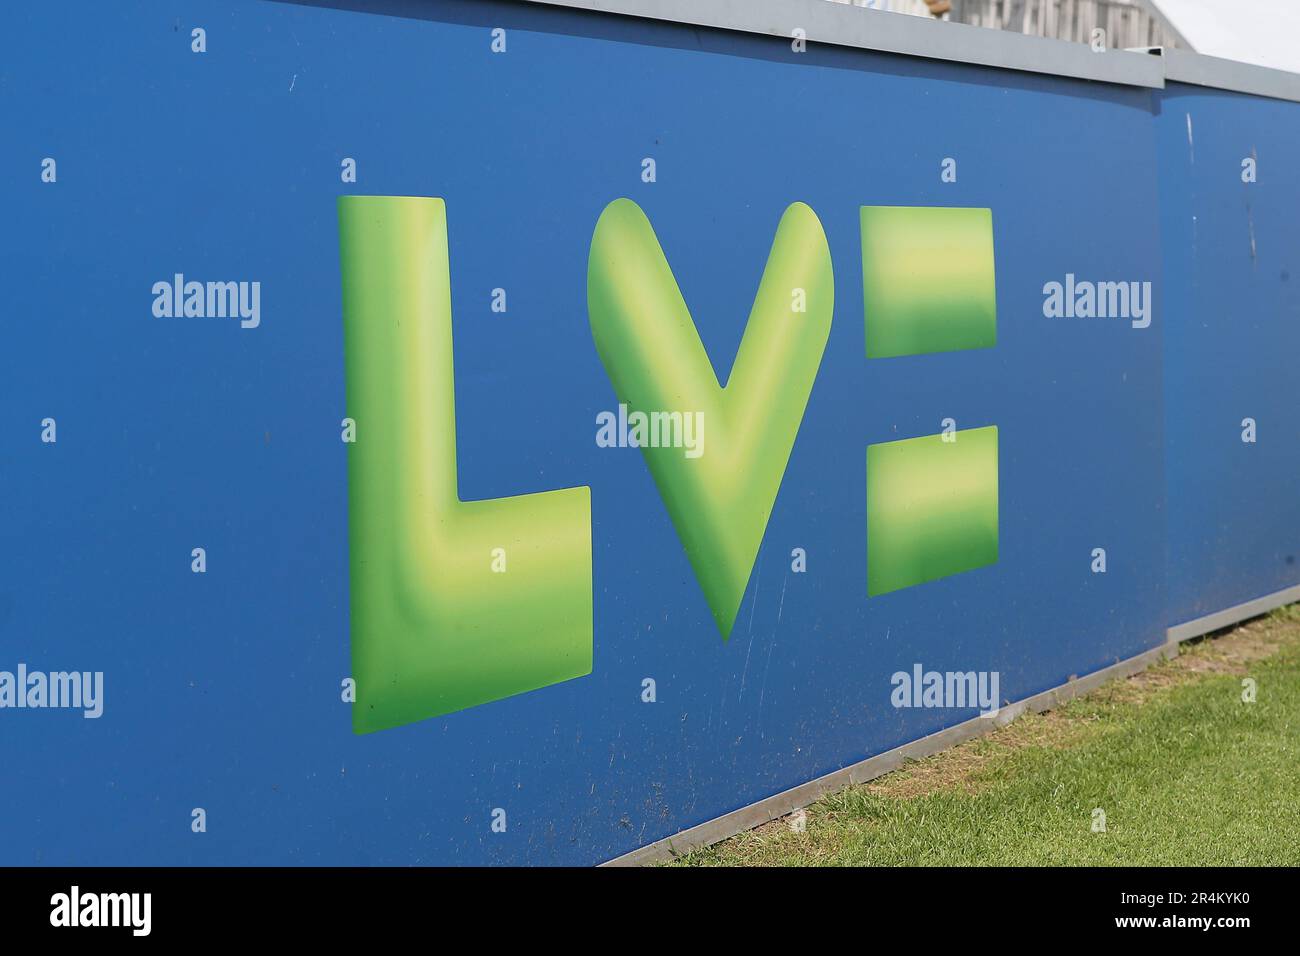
(456, 603)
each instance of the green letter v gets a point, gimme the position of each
(719, 501)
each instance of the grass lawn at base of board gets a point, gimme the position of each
(1185, 771)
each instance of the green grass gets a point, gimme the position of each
(1186, 772)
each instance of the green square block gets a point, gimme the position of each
(927, 279)
(932, 508)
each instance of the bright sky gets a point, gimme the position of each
(1265, 32)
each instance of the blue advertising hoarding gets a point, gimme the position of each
(197, 527)
(1228, 214)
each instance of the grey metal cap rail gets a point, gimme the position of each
(848, 26)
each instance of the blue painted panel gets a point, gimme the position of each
(1232, 334)
(222, 689)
